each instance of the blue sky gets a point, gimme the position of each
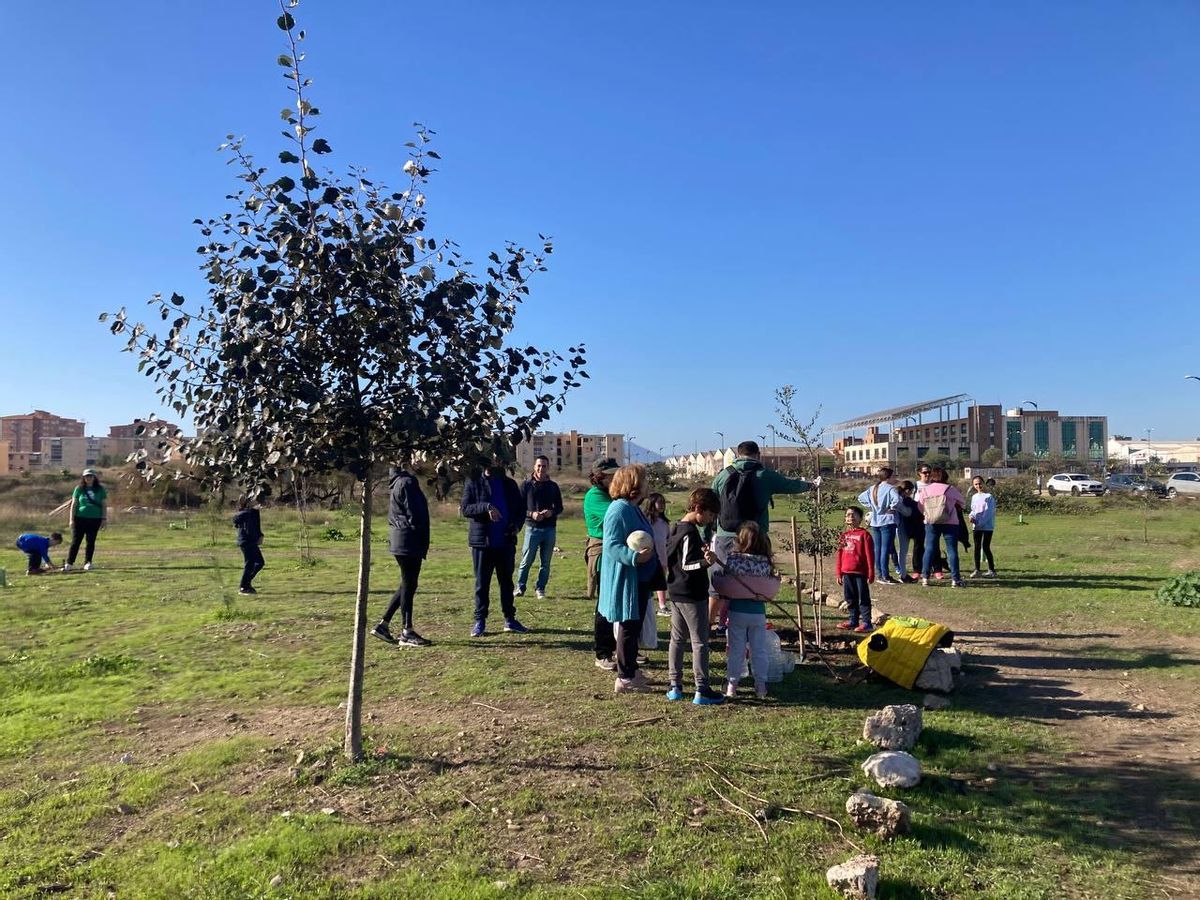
(877, 202)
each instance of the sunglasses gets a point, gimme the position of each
(927, 471)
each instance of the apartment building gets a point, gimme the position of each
(24, 435)
(570, 451)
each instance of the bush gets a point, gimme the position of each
(1016, 495)
(1182, 590)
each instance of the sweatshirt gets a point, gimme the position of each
(744, 578)
(882, 499)
(687, 572)
(856, 554)
(767, 483)
(983, 512)
(249, 527)
(595, 504)
(35, 543)
(539, 496)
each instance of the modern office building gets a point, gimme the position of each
(570, 451)
(959, 429)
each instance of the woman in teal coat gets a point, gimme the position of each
(625, 576)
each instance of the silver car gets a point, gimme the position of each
(1186, 484)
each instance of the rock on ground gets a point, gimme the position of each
(894, 727)
(857, 878)
(887, 818)
(894, 768)
(938, 674)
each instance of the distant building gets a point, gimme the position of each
(786, 458)
(905, 434)
(75, 453)
(4, 469)
(1134, 454)
(24, 435)
(140, 429)
(570, 451)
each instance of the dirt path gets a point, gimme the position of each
(1134, 720)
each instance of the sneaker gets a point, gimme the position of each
(676, 693)
(924, 582)
(639, 678)
(718, 631)
(515, 627)
(864, 628)
(34, 571)
(519, 592)
(706, 696)
(939, 575)
(990, 573)
(67, 567)
(642, 659)
(955, 584)
(541, 595)
(604, 662)
(760, 690)
(479, 629)
(664, 612)
(247, 590)
(846, 626)
(384, 633)
(974, 574)
(731, 689)
(87, 567)
(410, 638)
(629, 686)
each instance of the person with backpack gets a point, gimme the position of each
(746, 489)
(941, 504)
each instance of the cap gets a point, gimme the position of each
(89, 472)
(604, 466)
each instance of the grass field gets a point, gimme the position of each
(162, 736)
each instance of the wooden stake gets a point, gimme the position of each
(799, 588)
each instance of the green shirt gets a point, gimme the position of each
(767, 483)
(89, 502)
(595, 504)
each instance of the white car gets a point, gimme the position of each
(1073, 483)
(1186, 484)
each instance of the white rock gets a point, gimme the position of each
(894, 768)
(277, 881)
(127, 758)
(857, 877)
(887, 818)
(894, 727)
(938, 674)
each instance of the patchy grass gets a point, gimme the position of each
(163, 736)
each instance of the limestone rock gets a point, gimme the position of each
(938, 674)
(894, 727)
(887, 818)
(857, 878)
(894, 768)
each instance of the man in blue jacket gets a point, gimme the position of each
(493, 503)
(37, 548)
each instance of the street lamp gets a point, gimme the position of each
(721, 435)
(629, 439)
(774, 442)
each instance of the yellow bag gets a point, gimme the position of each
(899, 648)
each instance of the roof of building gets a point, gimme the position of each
(897, 412)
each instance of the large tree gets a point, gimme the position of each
(338, 336)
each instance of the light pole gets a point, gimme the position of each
(774, 444)
(721, 435)
(629, 439)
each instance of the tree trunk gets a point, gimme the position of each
(353, 744)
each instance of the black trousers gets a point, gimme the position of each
(80, 529)
(402, 600)
(498, 561)
(252, 554)
(606, 641)
(983, 544)
(35, 562)
(628, 633)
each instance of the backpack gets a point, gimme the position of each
(738, 499)
(936, 511)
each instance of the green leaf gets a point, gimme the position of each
(176, 300)
(288, 156)
(286, 22)
(331, 195)
(286, 61)
(320, 145)
(285, 184)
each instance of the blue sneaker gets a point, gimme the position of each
(675, 693)
(706, 696)
(515, 627)
(479, 629)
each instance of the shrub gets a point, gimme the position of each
(1182, 590)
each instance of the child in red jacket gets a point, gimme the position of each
(856, 571)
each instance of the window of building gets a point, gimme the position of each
(943, 451)
(901, 453)
(1096, 440)
(1069, 448)
(1041, 437)
(922, 451)
(1014, 438)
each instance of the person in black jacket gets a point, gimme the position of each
(493, 503)
(408, 535)
(249, 538)
(689, 558)
(543, 506)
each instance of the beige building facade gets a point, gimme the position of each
(570, 451)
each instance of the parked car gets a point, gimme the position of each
(1075, 483)
(1135, 484)
(1186, 484)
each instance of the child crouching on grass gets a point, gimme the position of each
(37, 548)
(856, 571)
(688, 559)
(747, 581)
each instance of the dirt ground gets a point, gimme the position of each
(1135, 720)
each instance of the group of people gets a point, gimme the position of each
(87, 513)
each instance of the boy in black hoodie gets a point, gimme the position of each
(249, 538)
(688, 561)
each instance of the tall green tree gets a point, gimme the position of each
(338, 336)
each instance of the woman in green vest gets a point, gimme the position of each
(89, 510)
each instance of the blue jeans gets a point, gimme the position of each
(950, 533)
(884, 538)
(537, 540)
(902, 558)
